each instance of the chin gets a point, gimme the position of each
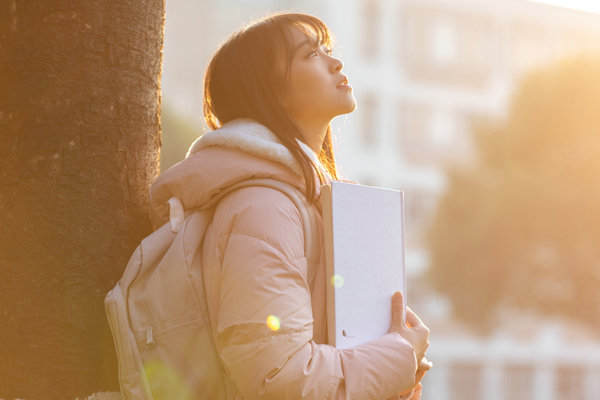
(349, 107)
(346, 106)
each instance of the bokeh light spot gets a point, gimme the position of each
(273, 323)
(337, 280)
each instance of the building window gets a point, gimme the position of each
(465, 381)
(569, 383)
(368, 111)
(446, 47)
(414, 130)
(518, 382)
(433, 135)
(443, 41)
(443, 128)
(418, 209)
(370, 37)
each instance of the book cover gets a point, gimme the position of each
(364, 248)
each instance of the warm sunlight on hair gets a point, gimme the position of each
(581, 5)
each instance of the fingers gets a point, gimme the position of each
(414, 393)
(413, 330)
(413, 319)
(417, 393)
(420, 374)
(398, 302)
(398, 310)
(425, 364)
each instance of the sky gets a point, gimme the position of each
(583, 5)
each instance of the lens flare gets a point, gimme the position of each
(166, 382)
(337, 281)
(273, 323)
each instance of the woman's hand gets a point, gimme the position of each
(413, 330)
(417, 334)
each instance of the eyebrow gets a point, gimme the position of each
(306, 42)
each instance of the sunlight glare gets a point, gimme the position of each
(580, 5)
(165, 381)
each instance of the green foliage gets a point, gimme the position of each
(177, 136)
(520, 229)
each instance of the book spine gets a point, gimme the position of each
(326, 204)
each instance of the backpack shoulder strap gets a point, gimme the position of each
(309, 223)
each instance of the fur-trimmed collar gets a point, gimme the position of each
(252, 137)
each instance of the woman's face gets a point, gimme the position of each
(317, 89)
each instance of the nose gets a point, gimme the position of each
(336, 64)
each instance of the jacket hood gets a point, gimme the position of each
(241, 149)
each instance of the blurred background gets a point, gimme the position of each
(486, 113)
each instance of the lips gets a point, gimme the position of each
(343, 84)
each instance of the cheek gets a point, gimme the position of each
(303, 77)
(307, 85)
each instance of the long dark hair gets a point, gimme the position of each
(243, 81)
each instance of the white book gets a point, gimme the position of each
(364, 248)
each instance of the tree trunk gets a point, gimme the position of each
(79, 143)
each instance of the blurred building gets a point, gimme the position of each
(424, 72)
(535, 360)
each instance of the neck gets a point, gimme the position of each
(313, 134)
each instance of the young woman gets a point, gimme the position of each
(270, 93)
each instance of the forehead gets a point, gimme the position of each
(301, 35)
(294, 37)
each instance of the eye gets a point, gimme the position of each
(324, 49)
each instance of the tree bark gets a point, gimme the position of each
(79, 145)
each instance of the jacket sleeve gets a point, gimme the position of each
(264, 279)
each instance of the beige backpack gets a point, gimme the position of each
(157, 311)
